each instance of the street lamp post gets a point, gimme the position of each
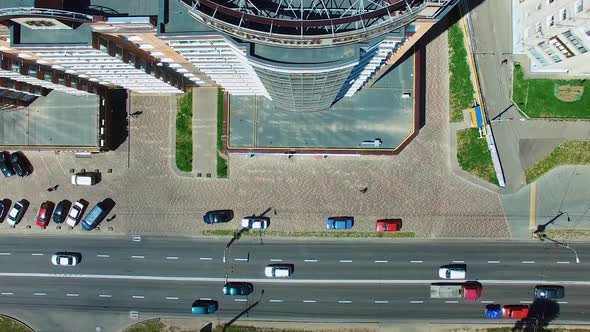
(541, 228)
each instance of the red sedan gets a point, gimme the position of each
(44, 214)
(516, 311)
(389, 225)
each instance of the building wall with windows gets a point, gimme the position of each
(554, 34)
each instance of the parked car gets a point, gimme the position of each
(201, 307)
(256, 222)
(94, 217)
(218, 216)
(44, 214)
(451, 272)
(517, 311)
(237, 288)
(5, 165)
(85, 179)
(20, 164)
(75, 213)
(549, 292)
(278, 270)
(65, 259)
(2, 209)
(493, 311)
(340, 223)
(16, 213)
(59, 214)
(388, 225)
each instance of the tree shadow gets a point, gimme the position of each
(242, 313)
(541, 313)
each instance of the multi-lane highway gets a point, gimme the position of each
(333, 280)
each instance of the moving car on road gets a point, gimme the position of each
(16, 213)
(75, 213)
(5, 166)
(20, 164)
(237, 288)
(340, 223)
(470, 291)
(278, 270)
(65, 259)
(517, 311)
(201, 307)
(451, 272)
(44, 214)
(549, 292)
(256, 222)
(493, 311)
(59, 215)
(389, 225)
(218, 216)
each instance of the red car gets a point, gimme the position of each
(389, 225)
(516, 311)
(44, 214)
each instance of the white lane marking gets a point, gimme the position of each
(451, 301)
(275, 301)
(171, 257)
(240, 300)
(137, 256)
(563, 262)
(205, 298)
(309, 301)
(487, 301)
(380, 261)
(241, 259)
(562, 302)
(416, 261)
(493, 262)
(105, 295)
(171, 298)
(138, 296)
(458, 262)
(381, 302)
(310, 260)
(528, 262)
(345, 261)
(37, 254)
(136, 238)
(103, 256)
(39, 294)
(345, 301)
(526, 302)
(5, 253)
(416, 302)
(206, 258)
(72, 294)
(276, 260)
(7, 293)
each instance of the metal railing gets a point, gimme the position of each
(44, 12)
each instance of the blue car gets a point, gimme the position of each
(493, 311)
(203, 307)
(339, 223)
(238, 288)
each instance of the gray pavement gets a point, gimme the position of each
(205, 132)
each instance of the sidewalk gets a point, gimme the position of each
(205, 132)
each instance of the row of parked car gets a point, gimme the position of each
(521, 311)
(337, 223)
(64, 211)
(14, 163)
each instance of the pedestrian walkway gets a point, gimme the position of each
(205, 132)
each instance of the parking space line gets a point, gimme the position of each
(309, 301)
(72, 294)
(275, 301)
(39, 294)
(105, 295)
(171, 257)
(206, 258)
(7, 293)
(310, 260)
(380, 261)
(493, 262)
(416, 262)
(138, 256)
(171, 298)
(451, 301)
(381, 302)
(415, 302)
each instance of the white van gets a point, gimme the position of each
(84, 179)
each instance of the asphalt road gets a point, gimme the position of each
(333, 280)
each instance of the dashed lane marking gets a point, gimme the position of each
(487, 301)
(72, 295)
(310, 260)
(241, 259)
(562, 302)
(171, 298)
(563, 262)
(345, 301)
(309, 301)
(381, 302)
(345, 261)
(451, 301)
(380, 261)
(526, 302)
(105, 295)
(206, 258)
(276, 260)
(39, 294)
(5, 253)
(137, 256)
(528, 262)
(37, 254)
(171, 257)
(493, 262)
(275, 301)
(7, 293)
(416, 262)
(415, 302)
(138, 296)
(240, 300)
(103, 256)
(456, 262)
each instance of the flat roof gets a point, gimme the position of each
(80, 36)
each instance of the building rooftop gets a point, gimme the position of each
(43, 31)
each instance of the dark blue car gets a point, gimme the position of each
(493, 311)
(339, 223)
(203, 307)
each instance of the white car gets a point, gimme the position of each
(451, 272)
(15, 214)
(256, 222)
(65, 259)
(278, 270)
(75, 213)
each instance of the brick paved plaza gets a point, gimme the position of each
(417, 185)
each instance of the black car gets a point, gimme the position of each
(5, 164)
(218, 216)
(238, 288)
(549, 292)
(20, 164)
(61, 211)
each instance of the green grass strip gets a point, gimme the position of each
(184, 133)
(537, 97)
(346, 234)
(221, 162)
(473, 155)
(11, 325)
(567, 153)
(461, 87)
